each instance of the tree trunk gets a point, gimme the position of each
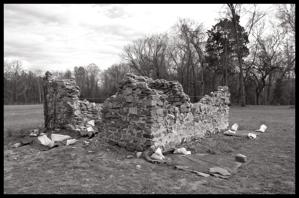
(225, 48)
(194, 85)
(15, 92)
(241, 78)
(25, 97)
(45, 92)
(39, 92)
(202, 80)
(257, 95)
(242, 89)
(214, 81)
(269, 88)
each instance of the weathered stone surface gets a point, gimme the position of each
(219, 170)
(63, 109)
(143, 113)
(241, 158)
(157, 113)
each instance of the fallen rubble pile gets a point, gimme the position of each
(251, 134)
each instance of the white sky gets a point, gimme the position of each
(61, 36)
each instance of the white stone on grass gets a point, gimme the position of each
(58, 137)
(91, 123)
(219, 170)
(262, 128)
(71, 141)
(44, 140)
(241, 158)
(235, 127)
(251, 135)
(229, 132)
(157, 157)
(90, 129)
(182, 151)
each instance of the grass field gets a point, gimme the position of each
(17, 117)
(102, 168)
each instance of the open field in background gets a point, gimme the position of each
(17, 117)
(101, 168)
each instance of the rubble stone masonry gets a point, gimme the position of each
(157, 113)
(143, 113)
(63, 109)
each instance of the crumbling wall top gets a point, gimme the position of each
(172, 91)
(64, 109)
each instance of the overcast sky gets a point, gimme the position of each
(61, 36)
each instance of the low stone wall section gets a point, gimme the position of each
(157, 113)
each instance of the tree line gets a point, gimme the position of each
(258, 67)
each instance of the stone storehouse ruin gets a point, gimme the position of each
(63, 109)
(143, 113)
(157, 113)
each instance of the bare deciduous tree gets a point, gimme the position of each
(236, 32)
(148, 56)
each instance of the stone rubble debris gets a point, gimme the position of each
(158, 155)
(219, 170)
(235, 127)
(201, 174)
(64, 110)
(44, 140)
(59, 138)
(251, 135)
(182, 151)
(187, 168)
(138, 154)
(71, 141)
(86, 142)
(143, 113)
(90, 129)
(241, 158)
(262, 128)
(91, 123)
(234, 131)
(50, 142)
(159, 151)
(229, 132)
(16, 145)
(138, 166)
(34, 133)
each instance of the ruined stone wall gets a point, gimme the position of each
(157, 113)
(63, 109)
(143, 113)
(209, 115)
